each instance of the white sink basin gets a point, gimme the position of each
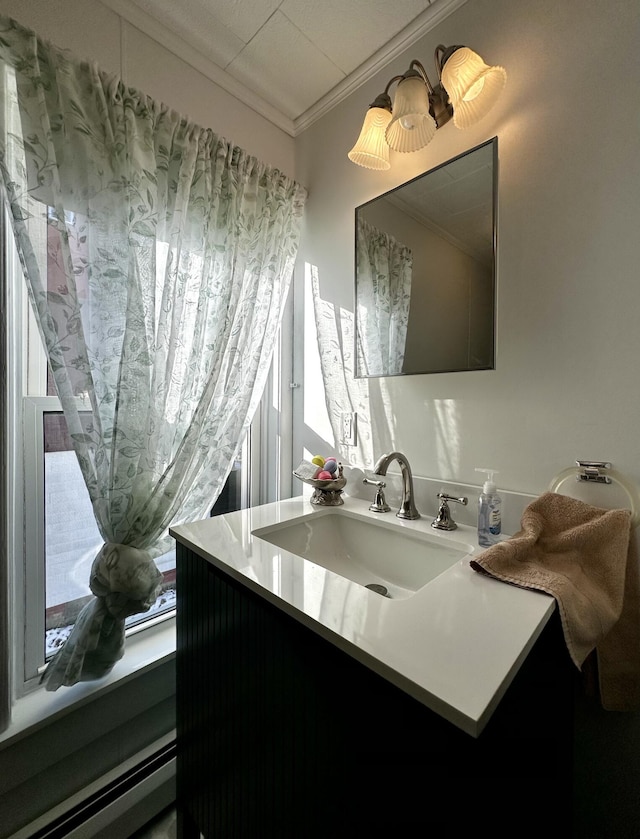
(367, 551)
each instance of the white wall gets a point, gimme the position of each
(568, 350)
(93, 31)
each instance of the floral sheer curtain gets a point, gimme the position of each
(383, 298)
(167, 330)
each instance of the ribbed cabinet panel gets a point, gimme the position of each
(282, 735)
(249, 756)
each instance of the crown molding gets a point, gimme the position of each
(437, 11)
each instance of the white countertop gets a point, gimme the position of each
(455, 645)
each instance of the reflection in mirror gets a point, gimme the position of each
(425, 271)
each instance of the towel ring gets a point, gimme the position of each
(630, 489)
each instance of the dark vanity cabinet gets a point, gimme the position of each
(281, 734)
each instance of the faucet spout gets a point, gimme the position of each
(407, 507)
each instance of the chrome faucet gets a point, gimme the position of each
(407, 507)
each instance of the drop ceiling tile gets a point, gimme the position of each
(242, 18)
(284, 67)
(349, 33)
(197, 23)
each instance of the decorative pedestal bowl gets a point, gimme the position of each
(325, 493)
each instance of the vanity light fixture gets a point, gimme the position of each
(467, 88)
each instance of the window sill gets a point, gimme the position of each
(144, 651)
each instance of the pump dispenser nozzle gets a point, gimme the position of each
(489, 484)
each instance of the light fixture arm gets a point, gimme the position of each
(383, 100)
(441, 55)
(416, 65)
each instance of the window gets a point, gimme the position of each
(53, 534)
(64, 530)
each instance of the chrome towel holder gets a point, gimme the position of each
(590, 472)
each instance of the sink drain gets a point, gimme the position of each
(378, 589)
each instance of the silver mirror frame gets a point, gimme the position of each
(488, 362)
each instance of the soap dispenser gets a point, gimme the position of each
(489, 511)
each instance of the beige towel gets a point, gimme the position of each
(587, 559)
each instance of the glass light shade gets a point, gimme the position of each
(371, 149)
(472, 85)
(412, 126)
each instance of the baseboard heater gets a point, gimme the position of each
(92, 814)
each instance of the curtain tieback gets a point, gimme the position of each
(126, 578)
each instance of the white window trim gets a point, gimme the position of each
(273, 455)
(16, 387)
(33, 579)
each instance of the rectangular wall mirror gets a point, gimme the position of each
(425, 286)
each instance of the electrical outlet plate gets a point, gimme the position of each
(348, 434)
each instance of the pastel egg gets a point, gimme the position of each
(330, 465)
(317, 460)
(325, 475)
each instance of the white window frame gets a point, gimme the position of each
(34, 409)
(272, 428)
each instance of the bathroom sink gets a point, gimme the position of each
(367, 551)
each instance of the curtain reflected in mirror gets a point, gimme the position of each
(384, 293)
(425, 271)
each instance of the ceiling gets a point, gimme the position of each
(290, 60)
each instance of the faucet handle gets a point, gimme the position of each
(463, 500)
(379, 503)
(443, 520)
